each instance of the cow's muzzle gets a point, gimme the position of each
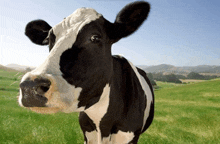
(33, 92)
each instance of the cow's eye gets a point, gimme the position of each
(95, 38)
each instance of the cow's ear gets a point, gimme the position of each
(129, 19)
(37, 31)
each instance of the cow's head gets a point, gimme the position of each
(80, 64)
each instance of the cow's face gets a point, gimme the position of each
(79, 65)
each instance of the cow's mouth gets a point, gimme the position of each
(44, 110)
(34, 100)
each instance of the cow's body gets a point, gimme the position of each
(126, 112)
(115, 99)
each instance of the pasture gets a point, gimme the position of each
(184, 113)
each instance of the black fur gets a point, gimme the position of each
(86, 124)
(51, 39)
(129, 19)
(37, 31)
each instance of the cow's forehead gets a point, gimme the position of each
(71, 25)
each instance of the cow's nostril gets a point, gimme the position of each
(42, 86)
(42, 89)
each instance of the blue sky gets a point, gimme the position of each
(177, 32)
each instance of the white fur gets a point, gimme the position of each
(118, 138)
(147, 91)
(122, 137)
(19, 99)
(98, 110)
(92, 137)
(64, 96)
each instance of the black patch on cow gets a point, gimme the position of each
(86, 124)
(37, 31)
(127, 101)
(135, 139)
(87, 64)
(129, 19)
(52, 39)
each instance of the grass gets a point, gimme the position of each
(184, 113)
(9, 80)
(166, 85)
(191, 80)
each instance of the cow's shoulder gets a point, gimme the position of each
(125, 65)
(123, 70)
(119, 59)
(121, 63)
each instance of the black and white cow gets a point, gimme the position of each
(115, 99)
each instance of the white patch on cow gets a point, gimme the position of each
(73, 100)
(25, 77)
(65, 95)
(147, 92)
(19, 99)
(98, 110)
(107, 140)
(118, 138)
(122, 137)
(92, 137)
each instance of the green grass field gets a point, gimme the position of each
(184, 114)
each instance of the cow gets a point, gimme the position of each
(115, 99)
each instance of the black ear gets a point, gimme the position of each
(37, 31)
(129, 19)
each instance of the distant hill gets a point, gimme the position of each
(19, 67)
(6, 68)
(165, 68)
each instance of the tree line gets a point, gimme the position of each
(175, 78)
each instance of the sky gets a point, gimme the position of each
(176, 32)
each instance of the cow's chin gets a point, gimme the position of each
(44, 110)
